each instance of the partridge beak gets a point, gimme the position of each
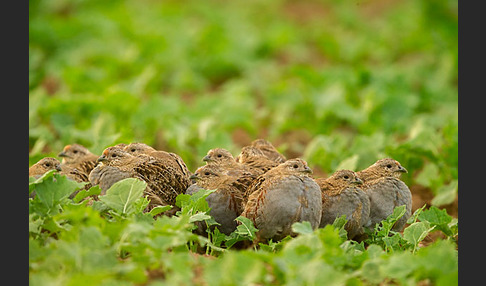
(402, 169)
(358, 181)
(193, 177)
(102, 158)
(62, 154)
(307, 170)
(207, 158)
(58, 168)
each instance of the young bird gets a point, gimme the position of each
(224, 160)
(44, 165)
(77, 162)
(282, 196)
(225, 202)
(171, 159)
(269, 150)
(164, 183)
(381, 181)
(255, 158)
(341, 195)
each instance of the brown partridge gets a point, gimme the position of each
(164, 183)
(255, 158)
(282, 196)
(171, 159)
(381, 181)
(341, 195)
(77, 162)
(44, 165)
(225, 202)
(223, 159)
(269, 150)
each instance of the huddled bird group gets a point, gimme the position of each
(260, 183)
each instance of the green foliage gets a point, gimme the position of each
(338, 84)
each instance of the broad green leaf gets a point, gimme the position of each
(199, 217)
(302, 227)
(51, 188)
(94, 190)
(416, 232)
(159, 209)
(445, 194)
(122, 195)
(439, 218)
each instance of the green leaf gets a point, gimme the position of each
(445, 194)
(244, 231)
(416, 213)
(416, 232)
(339, 224)
(439, 218)
(94, 190)
(159, 209)
(302, 227)
(122, 195)
(199, 217)
(52, 188)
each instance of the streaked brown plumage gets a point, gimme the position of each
(269, 150)
(381, 181)
(171, 159)
(164, 183)
(223, 159)
(341, 195)
(282, 196)
(255, 158)
(44, 165)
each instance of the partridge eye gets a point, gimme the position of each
(219, 155)
(75, 151)
(48, 165)
(133, 150)
(296, 166)
(114, 155)
(388, 166)
(346, 177)
(207, 173)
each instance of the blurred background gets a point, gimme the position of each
(338, 83)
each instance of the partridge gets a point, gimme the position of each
(341, 195)
(269, 150)
(171, 159)
(381, 181)
(225, 202)
(255, 158)
(282, 196)
(77, 162)
(164, 183)
(44, 165)
(224, 160)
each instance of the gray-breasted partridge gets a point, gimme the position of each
(341, 195)
(110, 174)
(381, 181)
(171, 159)
(164, 183)
(225, 202)
(44, 165)
(269, 150)
(255, 158)
(282, 196)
